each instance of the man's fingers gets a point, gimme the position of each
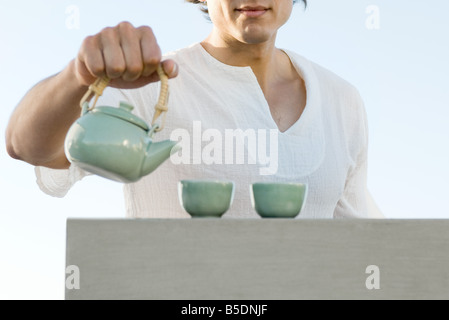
(130, 44)
(151, 52)
(128, 56)
(112, 53)
(170, 68)
(92, 57)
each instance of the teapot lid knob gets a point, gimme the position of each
(126, 106)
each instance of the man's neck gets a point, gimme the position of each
(268, 63)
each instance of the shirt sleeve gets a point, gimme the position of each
(57, 183)
(353, 202)
(356, 201)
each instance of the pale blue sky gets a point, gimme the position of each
(401, 71)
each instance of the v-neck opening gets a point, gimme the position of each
(248, 72)
(267, 105)
(300, 73)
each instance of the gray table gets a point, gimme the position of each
(259, 259)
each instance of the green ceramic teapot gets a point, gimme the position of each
(116, 144)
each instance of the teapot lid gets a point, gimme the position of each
(123, 112)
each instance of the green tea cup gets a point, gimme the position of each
(205, 198)
(278, 200)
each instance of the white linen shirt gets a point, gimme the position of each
(326, 148)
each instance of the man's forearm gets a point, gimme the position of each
(38, 126)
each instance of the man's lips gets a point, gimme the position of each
(253, 12)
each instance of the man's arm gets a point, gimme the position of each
(128, 56)
(38, 126)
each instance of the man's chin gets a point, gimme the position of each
(255, 37)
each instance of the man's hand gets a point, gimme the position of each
(129, 56)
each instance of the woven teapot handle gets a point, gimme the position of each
(161, 107)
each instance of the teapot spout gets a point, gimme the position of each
(157, 153)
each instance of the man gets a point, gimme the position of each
(310, 122)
